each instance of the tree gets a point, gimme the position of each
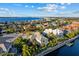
(17, 42)
(76, 32)
(25, 50)
(50, 44)
(70, 35)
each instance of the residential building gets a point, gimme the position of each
(24, 36)
(58, 32)
(73, 26)
(54, 24)
(47, 31)
(5, 42)
(39, 38)
(38, 25)
(46, 24)
(4, 47)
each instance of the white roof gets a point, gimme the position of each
(48, 31)
(57, 32)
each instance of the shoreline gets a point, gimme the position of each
(50, 49)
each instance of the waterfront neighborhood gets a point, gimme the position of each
(37, 37)
(39, 29)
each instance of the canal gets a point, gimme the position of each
(66, 50)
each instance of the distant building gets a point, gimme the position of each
(73, 26)
(38, 25)
(46, 24)
(54, 24)
(24, 36)
(24, 27)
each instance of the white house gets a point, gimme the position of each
(54, 24)
(47, 31)
(39, 38)
(58, 32)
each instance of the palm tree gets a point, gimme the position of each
(25, 50)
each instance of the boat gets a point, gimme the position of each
(69, 44)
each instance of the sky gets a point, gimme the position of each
(39, 9)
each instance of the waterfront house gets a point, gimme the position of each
(58, 32)
(39, 38)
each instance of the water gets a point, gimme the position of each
(11, 19)
(66, 50)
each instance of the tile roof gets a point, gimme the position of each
(73, 26)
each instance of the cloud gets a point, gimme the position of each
(6, 9)
(76, 12)
(63, 13)
(65, 3)
(26, 5)
(51, 8)
(32, 6)
(6, 12)
(62, 7)
(62, 3)
(66, 13)
(70, 13)
(48, 8)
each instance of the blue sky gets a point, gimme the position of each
(39, 9)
